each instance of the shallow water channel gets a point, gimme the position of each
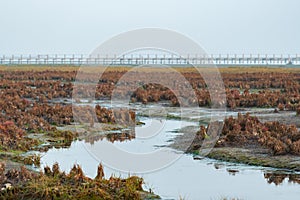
(185, 177)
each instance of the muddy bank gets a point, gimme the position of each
(283, 117)
(248, 140)
(256, 157)
(249, 156)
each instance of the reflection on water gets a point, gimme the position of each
(187, 177)
(279, 178)
(111, 137)
(232, 171)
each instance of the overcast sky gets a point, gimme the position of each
(219, 26)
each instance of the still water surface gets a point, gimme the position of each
(186, 177)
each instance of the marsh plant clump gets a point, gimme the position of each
(21, 118)
(54, 184)
(13, 138)
(247, 131)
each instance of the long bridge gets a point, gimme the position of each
(162, 59)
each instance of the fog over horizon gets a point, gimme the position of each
(220, 27)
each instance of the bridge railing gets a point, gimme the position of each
(150, 59)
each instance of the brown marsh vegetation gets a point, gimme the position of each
(33, 101)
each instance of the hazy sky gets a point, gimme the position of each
(79, 26)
